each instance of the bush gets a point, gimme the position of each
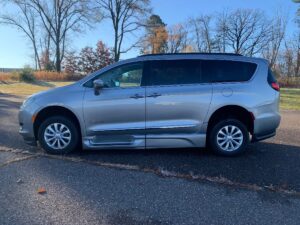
(74, 77)
(14, 76)
(27, 75)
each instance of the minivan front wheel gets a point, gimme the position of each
(228, 137)
(58, 135)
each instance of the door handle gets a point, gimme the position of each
(154, 95)
(137, 96)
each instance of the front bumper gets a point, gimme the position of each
(28, 137)
(26, 123)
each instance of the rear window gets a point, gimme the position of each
(271, 77)
(227, 71)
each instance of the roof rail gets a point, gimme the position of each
(193, 53)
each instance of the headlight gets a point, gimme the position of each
(27, 102)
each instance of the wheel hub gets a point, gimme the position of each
(57, 136)
(230, 138)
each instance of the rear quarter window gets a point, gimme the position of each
(227, 71)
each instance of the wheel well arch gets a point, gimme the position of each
(54, 111)
(232, 111)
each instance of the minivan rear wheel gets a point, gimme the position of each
(228, 137)
(58, 135)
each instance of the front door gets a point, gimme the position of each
(116, 117)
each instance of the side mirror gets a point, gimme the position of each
(98, 85)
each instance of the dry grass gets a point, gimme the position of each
(41, 76)
(7, 76)
(50, 76)
(25, 89)
(3, 76)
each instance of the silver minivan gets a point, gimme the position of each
(222, 101)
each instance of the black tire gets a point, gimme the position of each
(75, 136)
(212, 139)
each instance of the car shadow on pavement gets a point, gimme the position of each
(263, 164)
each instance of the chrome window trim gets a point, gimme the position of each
(156, 58)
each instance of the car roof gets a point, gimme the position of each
(208, 56)
(191, 53)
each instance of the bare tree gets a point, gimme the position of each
(221, 32)
(46, 58)
(298, 13)
(25, 20)
(202, 31)
(60, 18)
(126, 17)
(288, 63)
(246, 31)
(177, 39)
(294, 48)
(277, 34)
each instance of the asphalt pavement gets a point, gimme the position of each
(186, 186)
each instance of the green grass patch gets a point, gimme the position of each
(290, 99)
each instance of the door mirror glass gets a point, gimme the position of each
(98, 85)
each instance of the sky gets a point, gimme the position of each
(15, 49)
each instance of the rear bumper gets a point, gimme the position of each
(261, 137)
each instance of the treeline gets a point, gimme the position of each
(242, 31)
(51, 25)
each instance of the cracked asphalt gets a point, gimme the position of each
(185, 186)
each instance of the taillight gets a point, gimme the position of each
(275, 86)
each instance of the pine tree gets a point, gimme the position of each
(155, 40)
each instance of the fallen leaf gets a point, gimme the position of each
(19, 181)
(41, 190)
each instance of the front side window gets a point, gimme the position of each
(173, 72)
(123, 76)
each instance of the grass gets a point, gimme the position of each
(290, 97)
(25, 89)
